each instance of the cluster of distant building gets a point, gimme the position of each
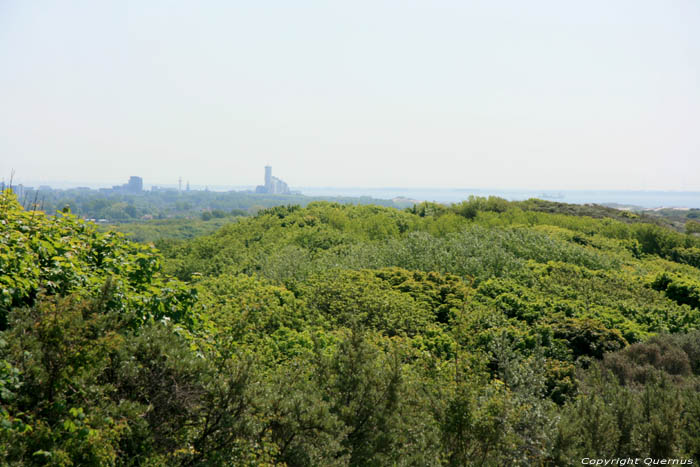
(133, 186)
(20, 190)
(273, 185)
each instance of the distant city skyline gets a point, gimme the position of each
(64, 185)
(194, 185)
(275, 186)
(644, 199)
(540, 95)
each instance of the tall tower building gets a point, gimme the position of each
(268, 178)
(273, 185)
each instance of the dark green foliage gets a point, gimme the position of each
(676, 356)
(657, 420)
(665, 243)
(679, 289)
(91, 392)
(588, 338)
(689, 256)
(502, 421)
(365, 389)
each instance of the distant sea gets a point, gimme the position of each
(643, 199)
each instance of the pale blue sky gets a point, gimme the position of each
(502, 94)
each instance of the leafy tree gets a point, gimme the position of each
(692, 227)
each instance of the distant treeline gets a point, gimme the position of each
(120, 207)
(163, 204)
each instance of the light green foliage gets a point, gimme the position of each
(359, 298)
(244, 312)
(288, 244)
(45, 256)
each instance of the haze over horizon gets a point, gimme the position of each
(541, 96)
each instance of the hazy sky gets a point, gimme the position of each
(501, 94)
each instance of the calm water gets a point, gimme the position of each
(645, 199)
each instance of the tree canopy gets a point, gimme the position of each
(483, 333)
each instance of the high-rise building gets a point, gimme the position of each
(135, 185)
(268, 177)
(273, 185)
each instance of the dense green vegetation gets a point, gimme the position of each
(482, 333)
(178, 228)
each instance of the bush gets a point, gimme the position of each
(680, 289)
